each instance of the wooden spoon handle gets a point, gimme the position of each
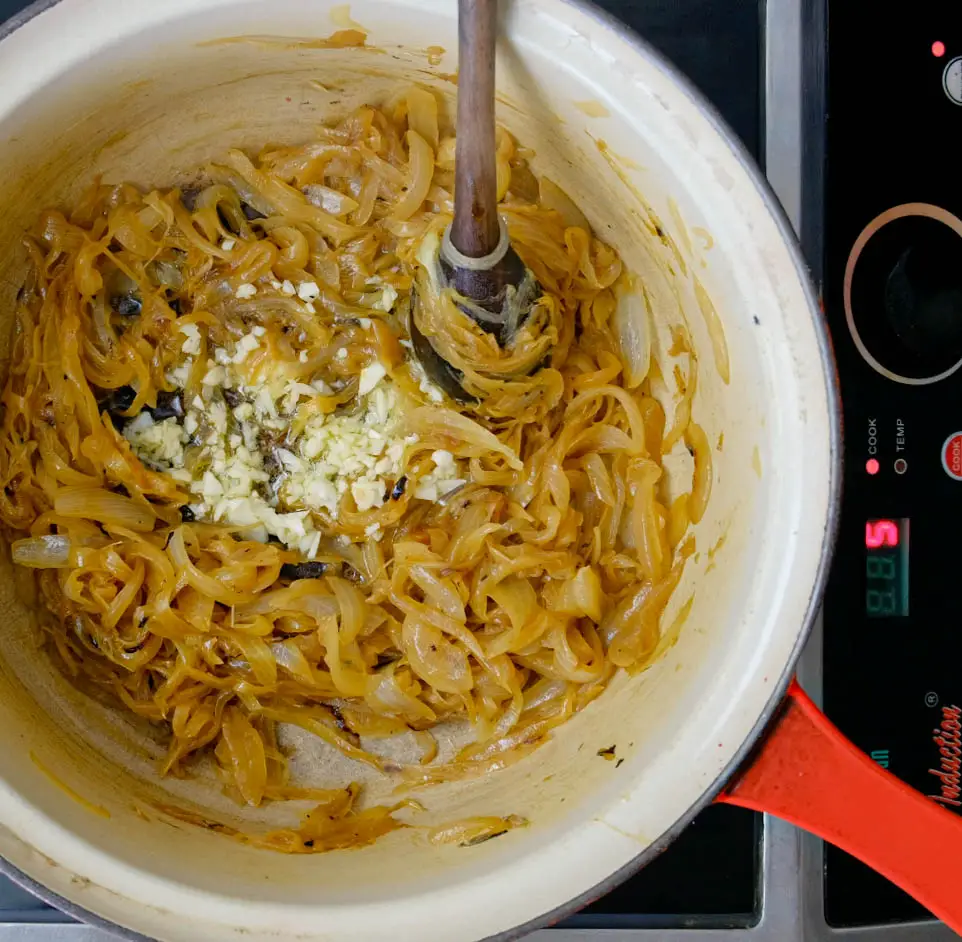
(475, 231)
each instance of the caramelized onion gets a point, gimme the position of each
(472, 831)
(42, 552)
(631, 326)
(551, 196)
(93, 503)
(522, 552)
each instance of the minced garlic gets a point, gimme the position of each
(275, 456)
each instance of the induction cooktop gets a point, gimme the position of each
(879, 108)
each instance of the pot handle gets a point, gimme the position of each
(806, 772)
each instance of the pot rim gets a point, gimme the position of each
(830, 531)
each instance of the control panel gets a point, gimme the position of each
(893, 300)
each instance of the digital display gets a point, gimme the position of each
(887, 568)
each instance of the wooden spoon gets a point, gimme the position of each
(477, 259)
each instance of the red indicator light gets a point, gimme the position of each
(872, 466)
(881, 533)
(938, 49)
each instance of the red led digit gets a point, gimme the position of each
(881, 533)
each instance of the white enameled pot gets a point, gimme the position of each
(143, 90)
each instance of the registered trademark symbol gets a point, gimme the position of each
(931, 699)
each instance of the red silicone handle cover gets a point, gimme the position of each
(808, 773)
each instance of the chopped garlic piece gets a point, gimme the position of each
(371, 375)
(308, 291)
(245, 291)
(191, 345)
(159, 443)
(246, 345)
(366, 494)
(179, 375)
(271, 459)
(386, 301)
(214, 376)
(442, 480)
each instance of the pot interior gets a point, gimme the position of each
(147, 92)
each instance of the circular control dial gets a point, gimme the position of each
(903, 293)
(952, 81)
